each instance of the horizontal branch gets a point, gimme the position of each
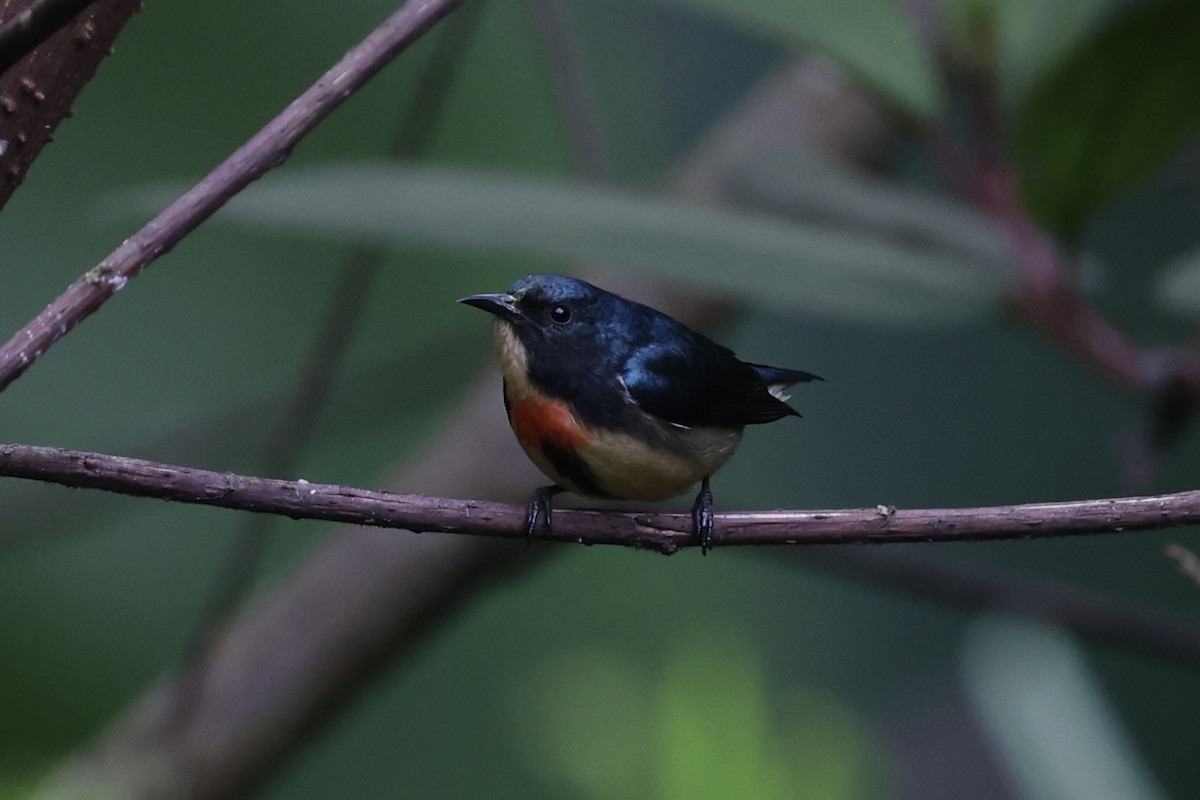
(665, 533)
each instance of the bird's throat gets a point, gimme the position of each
(513, 357)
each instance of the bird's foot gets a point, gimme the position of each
(539, 510)
(702, 517)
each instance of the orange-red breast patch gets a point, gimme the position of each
(540, 422)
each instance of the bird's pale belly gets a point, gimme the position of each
(629, 469)
(620, 465)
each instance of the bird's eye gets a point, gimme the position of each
(560, 314)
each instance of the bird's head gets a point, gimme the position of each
(552, 311)
(542, 303)
(562, 332)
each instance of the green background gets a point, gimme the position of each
(602, 673)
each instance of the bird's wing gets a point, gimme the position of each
(701, 385)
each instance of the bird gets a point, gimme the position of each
(611, 398)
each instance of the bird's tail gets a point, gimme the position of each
(779, 379)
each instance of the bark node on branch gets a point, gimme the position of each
(37, 93)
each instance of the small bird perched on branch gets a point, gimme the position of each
(610, 398)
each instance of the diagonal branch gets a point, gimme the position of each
(267, 149)
(665, 533)
(25, 30)
(419, 120)
(38, 87)
(1050, 298)
(574, 94)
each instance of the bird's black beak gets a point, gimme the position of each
(502, 305)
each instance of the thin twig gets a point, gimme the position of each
(267, 149)
(422, 119)
(245, 553)
(665, 533)
(418, 122)
(1049, 297)
(574, 94)
(1051, 300)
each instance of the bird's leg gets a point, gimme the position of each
(539, 509)
(702, 517)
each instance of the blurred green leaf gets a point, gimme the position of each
(17, 778)
(817, 270)
(871, 38)
(720, 735)
(803, 185)
(1047, 716)
(1034, 37)
(827, 752)
(585, 713)
(1028, 38)
(1116, 110)
(706, 726)
(1178, 287)
(715, 735)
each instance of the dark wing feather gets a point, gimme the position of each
(699, 383)
(779, 376)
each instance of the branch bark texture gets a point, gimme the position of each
(267, 149)
(665, 533)
(23, 31)
(38, 86)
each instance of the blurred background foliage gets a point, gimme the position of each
(611, 674)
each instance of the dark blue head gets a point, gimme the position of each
(558, 317)
(574, 337)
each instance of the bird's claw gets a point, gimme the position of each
(539, 511)
(702, 518)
